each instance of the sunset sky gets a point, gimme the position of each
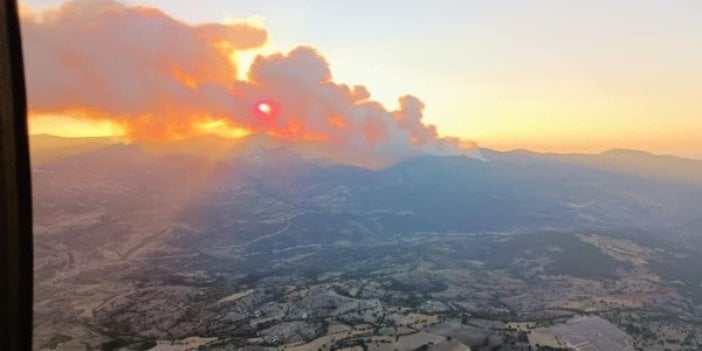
(546, 75)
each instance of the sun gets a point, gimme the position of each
(265, 108)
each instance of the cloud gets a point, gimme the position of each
(160, 79)
(135, 65)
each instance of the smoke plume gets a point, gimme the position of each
(162, 79)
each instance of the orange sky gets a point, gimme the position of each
(547, 76)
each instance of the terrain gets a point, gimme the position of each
(260, 248)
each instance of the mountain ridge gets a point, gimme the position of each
(637, 163)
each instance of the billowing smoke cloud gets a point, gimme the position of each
(161, 79)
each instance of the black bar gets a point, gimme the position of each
(15, 190)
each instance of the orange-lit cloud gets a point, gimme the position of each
(136, 65)
(162, 79)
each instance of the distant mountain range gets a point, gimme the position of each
(668, 168)
(504, 191)
(641, 163)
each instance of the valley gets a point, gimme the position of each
(296, 254)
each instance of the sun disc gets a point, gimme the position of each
(265, 108)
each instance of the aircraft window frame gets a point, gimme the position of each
(16, 263)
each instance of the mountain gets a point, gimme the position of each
(45, 147)
(143, 194)
(643, 164)
(141, 246)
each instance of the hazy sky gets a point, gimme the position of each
(548, 75)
